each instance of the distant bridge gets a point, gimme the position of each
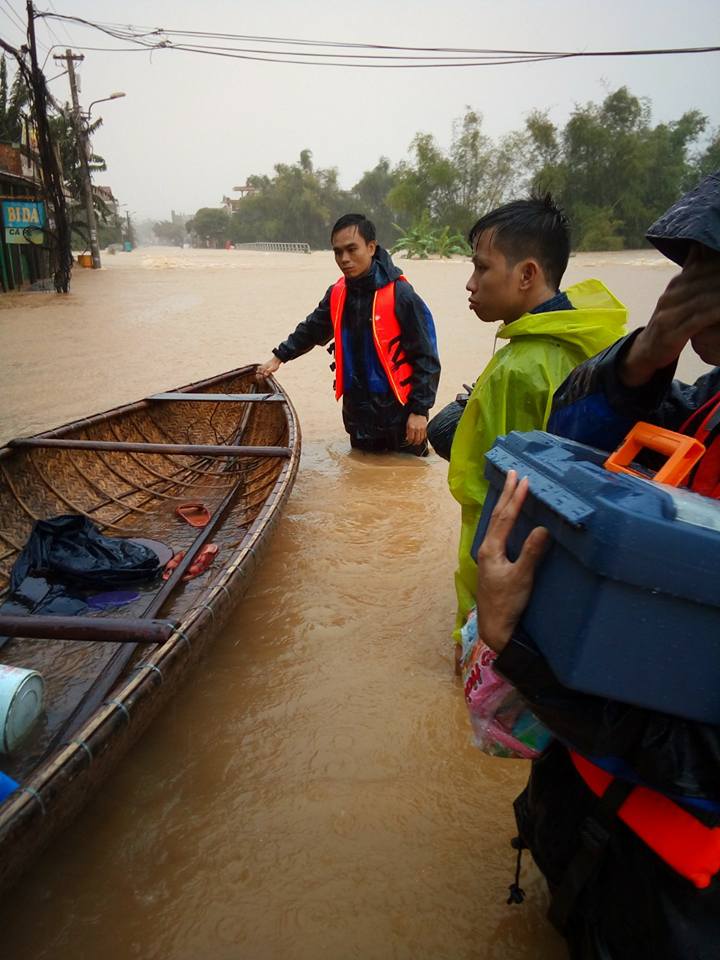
(272, 247)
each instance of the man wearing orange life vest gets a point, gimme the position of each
(636, 874)
(386, 361)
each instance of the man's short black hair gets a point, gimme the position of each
(365, 227)
(535, 227)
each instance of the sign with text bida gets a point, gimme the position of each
(23, 220)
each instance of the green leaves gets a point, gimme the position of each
(212, 224)
(613, 171)
(610, 167)
(298, 204)
(423, 241)
(12, 101)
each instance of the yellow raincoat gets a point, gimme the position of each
(515, 392)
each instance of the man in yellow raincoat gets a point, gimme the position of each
(520, 252)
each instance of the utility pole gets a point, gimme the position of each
(84, 150)
(59, 236)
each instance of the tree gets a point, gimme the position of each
(110, 231)
(369, 196)
(425, 183)
(299, 203)
(65, 137)
(453, 190)
(211, 225)
(422, 240)
(171, 232)
(611, 168)
(12, 102)
(707, 161)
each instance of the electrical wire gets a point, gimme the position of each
(8, 17)
(14, 18)
(62, 24)
(339, 53)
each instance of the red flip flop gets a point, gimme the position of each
(202, 561)
(199, 565)
(172, 564)
(195, 513)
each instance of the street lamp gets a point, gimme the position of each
(84, 162)
(113, 96)
(128, 214)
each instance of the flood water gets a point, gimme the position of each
(312, 790)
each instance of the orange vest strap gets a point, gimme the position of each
(674, 834)
(337, 305)
(706, 479)
(386, 337)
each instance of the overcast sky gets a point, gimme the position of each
(192, 127)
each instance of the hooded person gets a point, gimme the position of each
(622, 811)
(634, 378)
(386, 360)
(520, 253)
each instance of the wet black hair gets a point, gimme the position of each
(535, 227)
(365, 227)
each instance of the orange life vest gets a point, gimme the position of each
(386, 337)
(674, 834)
(706, 478)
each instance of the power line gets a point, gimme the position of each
(314, 52)
(14, 18)
(62, 24)
(52, 33)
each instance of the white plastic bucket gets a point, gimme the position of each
(21, 703)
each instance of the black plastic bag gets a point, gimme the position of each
(72, 550)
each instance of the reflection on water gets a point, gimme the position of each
(312, 790)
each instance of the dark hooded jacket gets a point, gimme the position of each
(593, 406)
(635, 906)
(370, 409)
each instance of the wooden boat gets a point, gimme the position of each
(219, 441)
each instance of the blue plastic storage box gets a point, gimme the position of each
(626, 602)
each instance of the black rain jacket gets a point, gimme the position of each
(370, 409)
(635, 906)
(593, 406)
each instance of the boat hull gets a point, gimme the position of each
(53, 793)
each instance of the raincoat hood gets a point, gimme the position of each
(694, 218)
(598, 314)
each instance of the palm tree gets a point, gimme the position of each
(12, 101)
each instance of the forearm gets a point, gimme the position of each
(594, 406)
(314, 331)
(424, 384)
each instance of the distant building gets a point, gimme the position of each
(108, 198)
(231, 204)
(24, 257)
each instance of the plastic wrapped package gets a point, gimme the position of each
(502, 724)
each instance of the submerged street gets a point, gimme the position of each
(313, 789)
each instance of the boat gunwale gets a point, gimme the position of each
(133, 407)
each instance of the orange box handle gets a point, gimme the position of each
(682, 453)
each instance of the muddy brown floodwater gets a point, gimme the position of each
(312, 791)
